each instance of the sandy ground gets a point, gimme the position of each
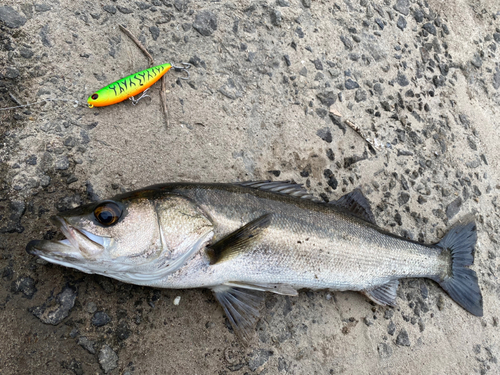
(270, 90)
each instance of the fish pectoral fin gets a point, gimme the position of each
(283, 289)
(356, 204)
(242, 308)
(384, 295)
(237, 241)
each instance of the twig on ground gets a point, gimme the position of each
(372, 144)
(163, 96)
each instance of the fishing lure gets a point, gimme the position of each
(127, 87)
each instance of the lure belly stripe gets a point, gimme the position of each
(127, 87)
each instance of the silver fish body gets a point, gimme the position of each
(238, 239)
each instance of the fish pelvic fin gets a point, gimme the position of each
(384, 295)
(242, 308)
(461, 283)
(237, 241)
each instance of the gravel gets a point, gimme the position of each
(11, 18)
(108, 359)
(205, 23)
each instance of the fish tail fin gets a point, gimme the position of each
(461, 282)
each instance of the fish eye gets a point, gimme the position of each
(95, 96)
(107, 213)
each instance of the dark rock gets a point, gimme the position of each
(438, 80)
(453, 208)
(388, 314)
(403, 7)
(68, 203)
(276, 17)
(430, 28)
(54, 314)
(74, 366)
(123, 331)
(303, 72)
(87, 344)
(325, 134)
(380, 23)
(100, 319)
(72, 178)
(306, 3)
(403, 198)
(403, 339)
(330, 155)
(402, 80)
(418, 15)
(317, 64)
(107, 359)
(42, 8)
(378, 88)
(476, 61)
(10, 217)
(258, 358)
(24, 285)
(401, 24)
(384, 350)
(109, 8)
(333, 183)
(11, 18)
(321, 112)
(186, 26)
(327, 98)
(360, 95)
(11, 72)
(32, 159)
(205, 23)
(44, 35)
(124, 10)
(496, 79)
(350, 84)
(25, 52)
(143, 6)
(275, 172)
(155, 32)
(391, 328)
(336, 120)
(347, 42)
(299, 32)
(287, 60)
(62, 163)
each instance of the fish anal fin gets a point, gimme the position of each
(238, 241)
(356, 204)
(283, 289)
(242, 308)
(384, 295)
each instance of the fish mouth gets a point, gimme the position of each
(78, 245)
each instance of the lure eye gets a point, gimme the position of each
(107, 213)
(95, 96)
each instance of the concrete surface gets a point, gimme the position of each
(269, 83)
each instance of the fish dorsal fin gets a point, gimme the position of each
(242, 308)
(384, 295)
(238, 241)
(356, 204)
(280, 187)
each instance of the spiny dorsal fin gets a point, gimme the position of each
(357, 204)
(385, 294)
(280, 187)
(237, 241)
(242, 308)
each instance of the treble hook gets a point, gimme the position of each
(183, 69)
(144, 95)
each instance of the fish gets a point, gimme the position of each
(243, 239)
(127, 87)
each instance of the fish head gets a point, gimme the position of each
(137, 239)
